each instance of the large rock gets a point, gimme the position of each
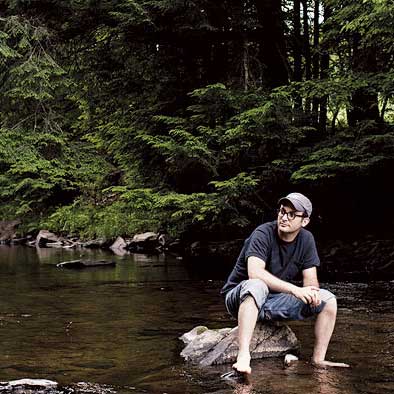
(119, 246)
(27, 386)
(8, 229)
(45, 237)
(145, 242)
(208, 347)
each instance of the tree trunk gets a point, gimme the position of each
(307, 54)
(384, 107)
(324, 65)
(297, 73)
(315, 59)
(272, 52)
(245, 67)
(364, 103)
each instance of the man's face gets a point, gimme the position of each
(290, 220)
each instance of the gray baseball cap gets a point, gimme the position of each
(299, 202)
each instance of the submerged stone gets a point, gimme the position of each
(208, 347)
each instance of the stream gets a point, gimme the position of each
(118, 327)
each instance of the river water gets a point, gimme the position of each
(119, 327)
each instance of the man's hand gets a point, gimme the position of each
(316, 301)
(308, 294)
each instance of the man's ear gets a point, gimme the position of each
(305, 222)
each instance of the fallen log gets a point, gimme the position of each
(78, 264)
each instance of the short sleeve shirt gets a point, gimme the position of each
(283, 259)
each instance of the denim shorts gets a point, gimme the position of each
(272, 306)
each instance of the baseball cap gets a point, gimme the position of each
(299, 202)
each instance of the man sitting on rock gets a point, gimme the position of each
(259, 286)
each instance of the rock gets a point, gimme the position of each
(175, 246)
(8, 229)
(290, 359)
(119, 243)
(27, 386)
(119, 247)
(94, 388)
(189, 336)
(45, 237)
(196, 249)
(145, 242)
(164, 240)
(77, 264)
(208, 347)
(145, 237)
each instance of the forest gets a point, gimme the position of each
(194, 117)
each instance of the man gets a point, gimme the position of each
(259, 286)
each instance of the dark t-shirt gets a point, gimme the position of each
(283, 259)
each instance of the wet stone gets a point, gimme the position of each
(27, 386)
(45, 386)
(209, 347)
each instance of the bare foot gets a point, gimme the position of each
(327, 364)
(243, 364)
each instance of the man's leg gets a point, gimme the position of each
(247, 317)
(244, 302)
(283, 306)
(324, 327)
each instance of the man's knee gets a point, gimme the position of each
(255, 288)
(256, 285)
(330, 307)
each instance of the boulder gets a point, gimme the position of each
(145, 242)
(77, 264)
(209, 347)
(145, 237)
(8, 229)
(164, 240)
(119, 243)
(45, 237)
(119, 247)
(26, 386)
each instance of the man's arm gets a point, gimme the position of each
(309, 278)
(256, 270)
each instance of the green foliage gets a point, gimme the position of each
(42, 163)
(125, 116)
(132, 210)
(347, 160)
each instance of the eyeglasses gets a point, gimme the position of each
(291, 215)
